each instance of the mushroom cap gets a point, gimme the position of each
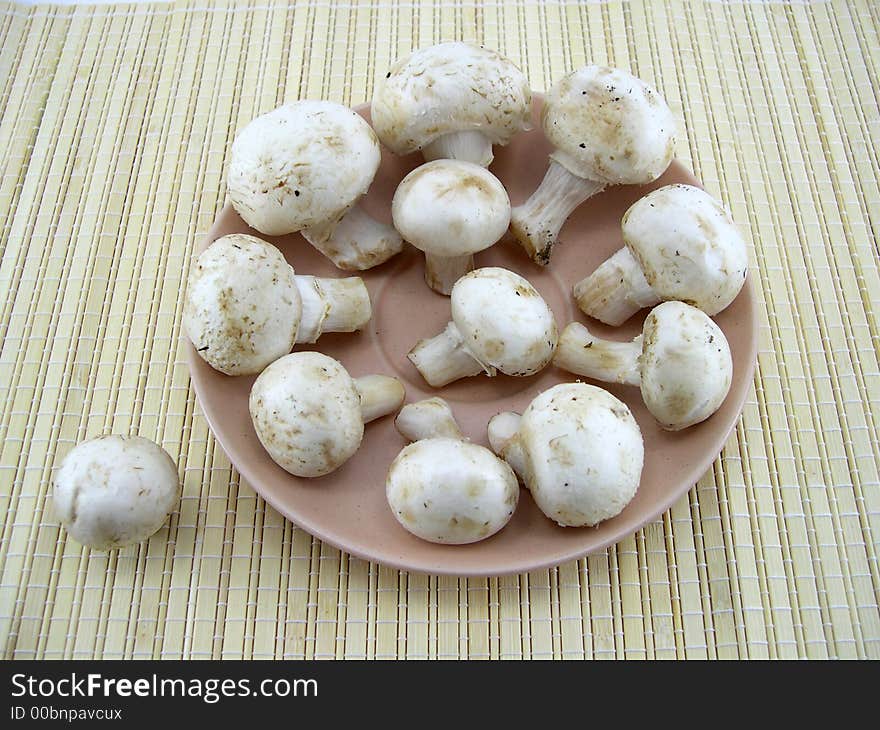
(583, 454)
(242, 308)
(450, 87)
(301, 165)
(113, 491)
(685, 364)
(450, 491)
(306, 411)
(505, 322)
(688, 246)
(609, 126)
(451, 208)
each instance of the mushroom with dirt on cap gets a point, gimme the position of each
(681, 244)
(443, 488)
(450, 210)
(453, 100)
(681, 362)
(607, 127)
(305, 167)
(499, 322)
(246, 307)
(309, 413)
(113, 491)
(577, 449)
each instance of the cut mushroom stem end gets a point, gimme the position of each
(380, 395)
(444, 358)
(356, 241)
(616, 290)
(466, 145)
(429, 418)
(581, 352)
(503, 430)
(441, 272)
(331, 305)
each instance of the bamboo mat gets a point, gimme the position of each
(116, 124)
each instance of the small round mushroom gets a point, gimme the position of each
(245, 307)
(681, 362)
(607, 128)
(499, 322)
(450, 210)
(309, 413)
(442, 488)
(113, 491)
(577, 449)
(452, 101)
(304, 167)
(681, 244)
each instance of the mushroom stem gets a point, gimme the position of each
(537, 222)
(504, 440)
(441, 272)
(380, 395)
(616, 290)
(429, 418)
(331, 305)
(469, 146)
(445, 357)
(582, 353)
(355, 242)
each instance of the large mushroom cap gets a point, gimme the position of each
(301, 165)
(686, 365)
(114, 491)
(450, 87)
(607, 125)
(687, 246)
(504, 321)
(450, 491)
(583, 454)
(451, 208)
(242, 307)
(307, 414)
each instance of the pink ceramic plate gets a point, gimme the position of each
(348, 509)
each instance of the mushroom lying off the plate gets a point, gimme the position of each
(452, 101)
(113, 491)
(577, 449)
(442, 488)
(450, 210)
(607, 128)
(304, 167)
(681, 244)
(499, 322)
(681, 362)
(245, 307)
(309, 413)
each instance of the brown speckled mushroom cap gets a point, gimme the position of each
(301, 165)
(607, 125)
(450, 87)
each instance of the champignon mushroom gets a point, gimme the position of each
(681, 361)
(681, 244)
(607, 128)
(499, 322)
(309, 414)
(450, 210)
(577, 448)
(304, 167)
(245, 306)
(112, 491)
(452, 100)
(442, 488)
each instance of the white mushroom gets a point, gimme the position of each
(442, 488)
(607, 128)
(499, 322)
(304, 167)
(681, 361)
(113, 491)
(450, 210)
(309, 414)
(245, 307)
(681, 244)
(453, 100)
(577, 448)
